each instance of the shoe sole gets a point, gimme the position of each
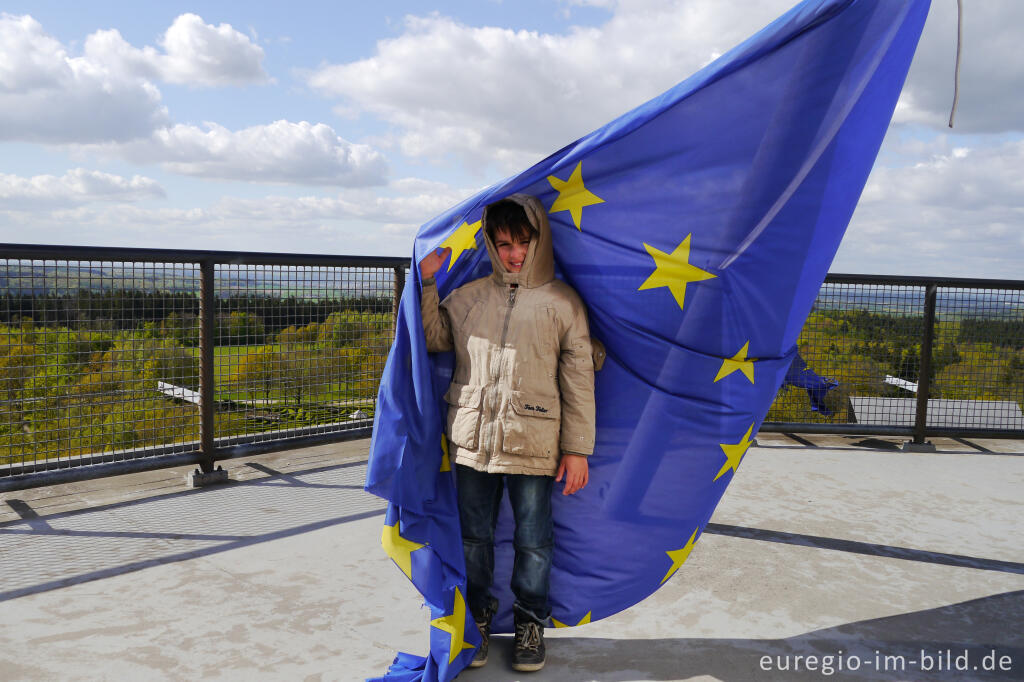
(528, 667)
(478, 664)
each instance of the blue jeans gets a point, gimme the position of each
(479, 501)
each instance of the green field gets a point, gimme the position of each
(972, 359)
(66, 391)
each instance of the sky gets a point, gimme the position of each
(340, 127)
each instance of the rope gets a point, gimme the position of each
(956, 74)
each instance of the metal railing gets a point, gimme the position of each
(909, 356)
(115, 360)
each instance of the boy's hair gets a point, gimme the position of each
(509, 216)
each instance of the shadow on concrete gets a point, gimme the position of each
(868, 548)
(162, 529)
(277, 477)
(856, 443)
(972, 445)
(180, 556)
(156, 532)
(800, 439)
(876, 444)
(26, 512)
(890, 648)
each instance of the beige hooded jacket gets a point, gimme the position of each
(523, 388)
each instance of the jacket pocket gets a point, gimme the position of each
(464, 414)
(531, 425)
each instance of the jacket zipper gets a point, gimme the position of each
(495, 371)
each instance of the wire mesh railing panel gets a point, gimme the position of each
(859, 358)
(85, 349)
(978, 359)
(299, 350)
(102, 354)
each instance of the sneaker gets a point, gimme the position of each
(529, 653)
(480, 658)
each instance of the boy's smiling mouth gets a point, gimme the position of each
(512, 251)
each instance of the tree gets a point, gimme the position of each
(301, 369)
(74, 349)
(344, 367)
(256, 372)
(289, 373)
(118, 433)
(341, 328)
(174, 365)
(182, 329)
(18, 365)
(293, 335)
(241, 329)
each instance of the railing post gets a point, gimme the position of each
(399, 287)
(924, 374)
(207, 316)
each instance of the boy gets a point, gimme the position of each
(521, 408)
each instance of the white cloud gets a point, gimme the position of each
(282, 151)
(108, 93)
(356, 221)
(955, 213)
(409, 202)
(590, 3)
(508, 96)
(105, 101)
(493, 94)
(77, 186)
(955, 178)
(195, 53)
(48, 96)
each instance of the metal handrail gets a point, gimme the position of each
(209, 448)
(921, 281)
(127, 254)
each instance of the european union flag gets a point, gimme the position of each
(698, 229)
(799, 375)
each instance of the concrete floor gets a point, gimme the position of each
(823, 546)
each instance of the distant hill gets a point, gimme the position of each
(953, 304)
(33, 278)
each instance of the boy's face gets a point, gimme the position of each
(511, 250)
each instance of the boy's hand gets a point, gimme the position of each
(576, 471)
(433, 262)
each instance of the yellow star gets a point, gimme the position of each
(740, 362)
(734, 453)
(673, 270)
(398, 548)
(583, 621)
(572, 195)
(678, 556)
(462, 239)
(455, 625)
(446, 459)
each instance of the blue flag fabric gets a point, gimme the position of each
(799, 375)
(698, 229)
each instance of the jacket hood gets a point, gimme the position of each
(539, 264)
